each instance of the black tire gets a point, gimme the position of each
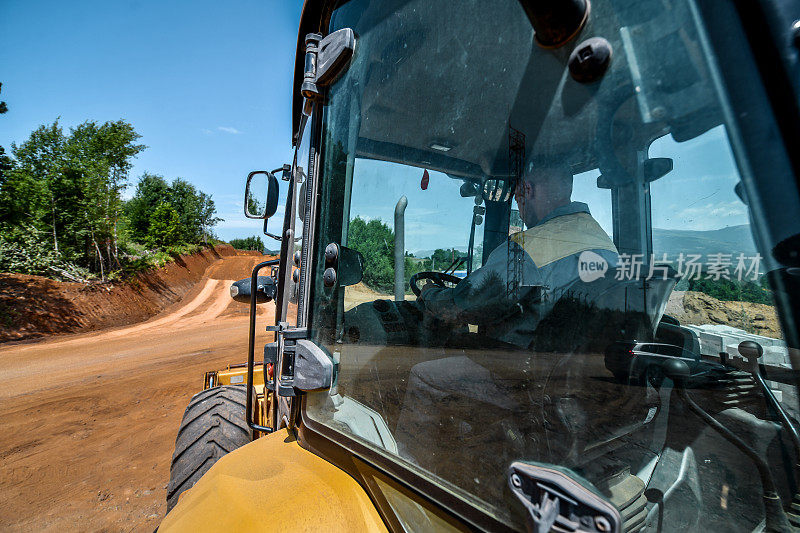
(213, 424)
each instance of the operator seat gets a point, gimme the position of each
(588, 318)
(555, 399)
(588, 315)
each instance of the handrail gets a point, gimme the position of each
(251, 348)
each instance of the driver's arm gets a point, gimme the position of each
(483, 295)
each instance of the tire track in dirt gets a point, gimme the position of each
(89, 421)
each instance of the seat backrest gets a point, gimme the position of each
(591, 315)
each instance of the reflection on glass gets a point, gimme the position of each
(257, 195)
(591, 317)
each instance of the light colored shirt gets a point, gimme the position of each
(525, 276)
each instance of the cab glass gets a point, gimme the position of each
(554, 272)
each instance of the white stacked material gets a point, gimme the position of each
(716, 338)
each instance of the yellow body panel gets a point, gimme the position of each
(236, 375)
(273, 484)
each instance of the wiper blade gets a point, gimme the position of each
(555, 496)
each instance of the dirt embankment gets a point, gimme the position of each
(698, 308)
(34, 306)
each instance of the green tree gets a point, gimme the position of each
(67, 188)
(185, 199)
(151, 190)
(6, 165)
(165, 227)
(8, 202)
(3, 106)
(196, 210)
(70, 186)
(32, 188)
(248, 243)
(444, 258)
(375, 241)
(98, 158)
(208, 216)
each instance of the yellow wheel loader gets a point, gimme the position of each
(539, 270)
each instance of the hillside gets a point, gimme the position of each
(33, 306)
(730, 240)
(698, 308)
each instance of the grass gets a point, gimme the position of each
(147, 260)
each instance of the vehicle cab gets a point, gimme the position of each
(488, 202)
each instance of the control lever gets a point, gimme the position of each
(752, 352)
(265, 290)
(775, 517)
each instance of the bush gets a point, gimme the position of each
(248, 243)
(26, 250)
(733, 290)
(165, 227)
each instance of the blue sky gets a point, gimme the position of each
(697, 195)
(208, 85)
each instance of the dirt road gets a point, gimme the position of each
(89, 421)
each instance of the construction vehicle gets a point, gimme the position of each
(482, 400)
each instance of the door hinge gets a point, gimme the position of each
(554, 498)
(299, 365)
(326, 59)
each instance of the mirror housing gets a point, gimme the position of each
(350, 267)
(265, 207)
(265, 291)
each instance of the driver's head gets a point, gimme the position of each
(545, 186)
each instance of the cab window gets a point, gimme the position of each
(515, 237)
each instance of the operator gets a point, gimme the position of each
(545, 257)
(547, 252)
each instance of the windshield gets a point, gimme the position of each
(534, 268)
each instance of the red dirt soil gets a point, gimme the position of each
(89, 420)
(33, 306)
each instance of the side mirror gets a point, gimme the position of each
(260, 195)
(265, 290)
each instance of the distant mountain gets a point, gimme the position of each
(729, 240)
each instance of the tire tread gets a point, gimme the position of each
(213, 425)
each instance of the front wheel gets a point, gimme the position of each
(213, 425)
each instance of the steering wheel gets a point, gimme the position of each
(439, 278)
